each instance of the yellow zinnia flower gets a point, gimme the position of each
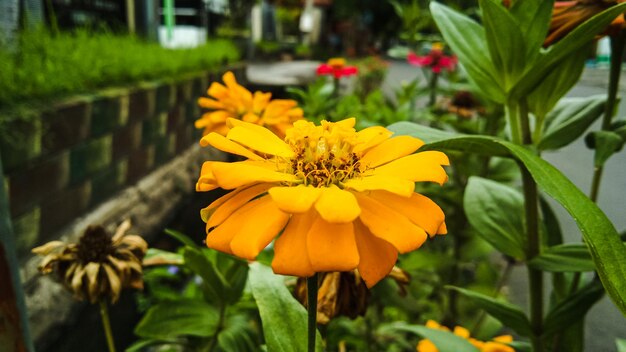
(498, 344)
(342, 199)
(235, 101)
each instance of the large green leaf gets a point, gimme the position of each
(573, 308)
(569, 120)
(496, 211)
(571, 257)
(575, 40)
(172, 319)
(467, 40)
(214, 285)
(607, 251)
(284, 319)
(507, 313)
(504, 40)
(557, 83)
(445, 341)
(237, 335)
(533, 18)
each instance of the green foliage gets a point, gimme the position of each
(509, 314)
(171, 319)
(45, 66)
(572, 309)
(569, 120)
(494, 212)
(569, 257)
(284, 319)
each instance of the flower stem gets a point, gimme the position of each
(514, 124)
(432, 85)
(531, 207)
(336, 87)
(311, 286)
(106, 324)
(617, 48)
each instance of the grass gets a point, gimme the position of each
(44, 66)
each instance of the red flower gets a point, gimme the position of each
(336, 67)
(435, 59)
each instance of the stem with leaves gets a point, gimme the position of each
(311, 286)
(106, 324)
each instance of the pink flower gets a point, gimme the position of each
(336, 67)
(435, 59)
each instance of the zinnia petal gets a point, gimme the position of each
(336, 205)
(377, 257)
(233, 175)
(237, 201)
(420, 167)
(262, 222)
(226, 145)
(332, 246)
(422, 211)
(290, 249)
(370, 137)
(258, 138)
(391, 149)
(392, 184)
(297, 199)
(390, 225)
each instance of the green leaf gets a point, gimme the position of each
(571, 257)
(181, 237)
(172, 319)
(606, 143)
(607, 251)
(507, 313)
(553, 227)
(505, 42)
(156, 256)
(621, 345)
(214, 286)
(237, 335)
(284, 319)
(557, 83)
(569, 120)
(496, 211)
(425, 133)
(445, 341)
(576, 39)
(573, 308)
(235, 271)
(533, 18)
(467, 40)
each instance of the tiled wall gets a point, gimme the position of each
(82, 150)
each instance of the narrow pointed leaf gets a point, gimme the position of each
(507, 313)
(533, 18)
(215, 286)
(571, 257)
(181, 237)
(467, 40)
(569, 120)
(573, 308)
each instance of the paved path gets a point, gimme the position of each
(604, 322)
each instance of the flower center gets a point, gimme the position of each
(324, 153)
(95, 245)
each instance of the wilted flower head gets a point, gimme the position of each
(235, 101)
(464, 104)
(436, 59)
(342, 199)
(336, 67)
(498, 344)
(567, 15)
(343, 293)
(98, 266)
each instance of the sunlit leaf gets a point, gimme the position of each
(445, 341)
(284, 319)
